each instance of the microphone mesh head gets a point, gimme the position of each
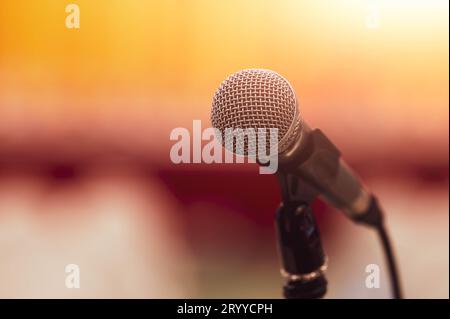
(257, 98)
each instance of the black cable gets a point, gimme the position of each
(374, 218)
(393, 273)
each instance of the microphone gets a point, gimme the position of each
(310, 165)
(259, 98)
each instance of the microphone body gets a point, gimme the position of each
(259, 98)
(317, 161)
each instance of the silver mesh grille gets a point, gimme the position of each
(256, 98)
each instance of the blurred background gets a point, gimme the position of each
(85, 118)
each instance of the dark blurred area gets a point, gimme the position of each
(218, 222)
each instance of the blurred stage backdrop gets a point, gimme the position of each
(85, 118)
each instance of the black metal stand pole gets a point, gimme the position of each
(302, 257)
(303, 260)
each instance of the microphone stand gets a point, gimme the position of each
(302, 256)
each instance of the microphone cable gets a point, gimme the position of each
(374, 218)
(390, 258)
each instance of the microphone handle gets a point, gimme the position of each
(317, 161)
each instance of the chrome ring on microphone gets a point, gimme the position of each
(305, 277)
